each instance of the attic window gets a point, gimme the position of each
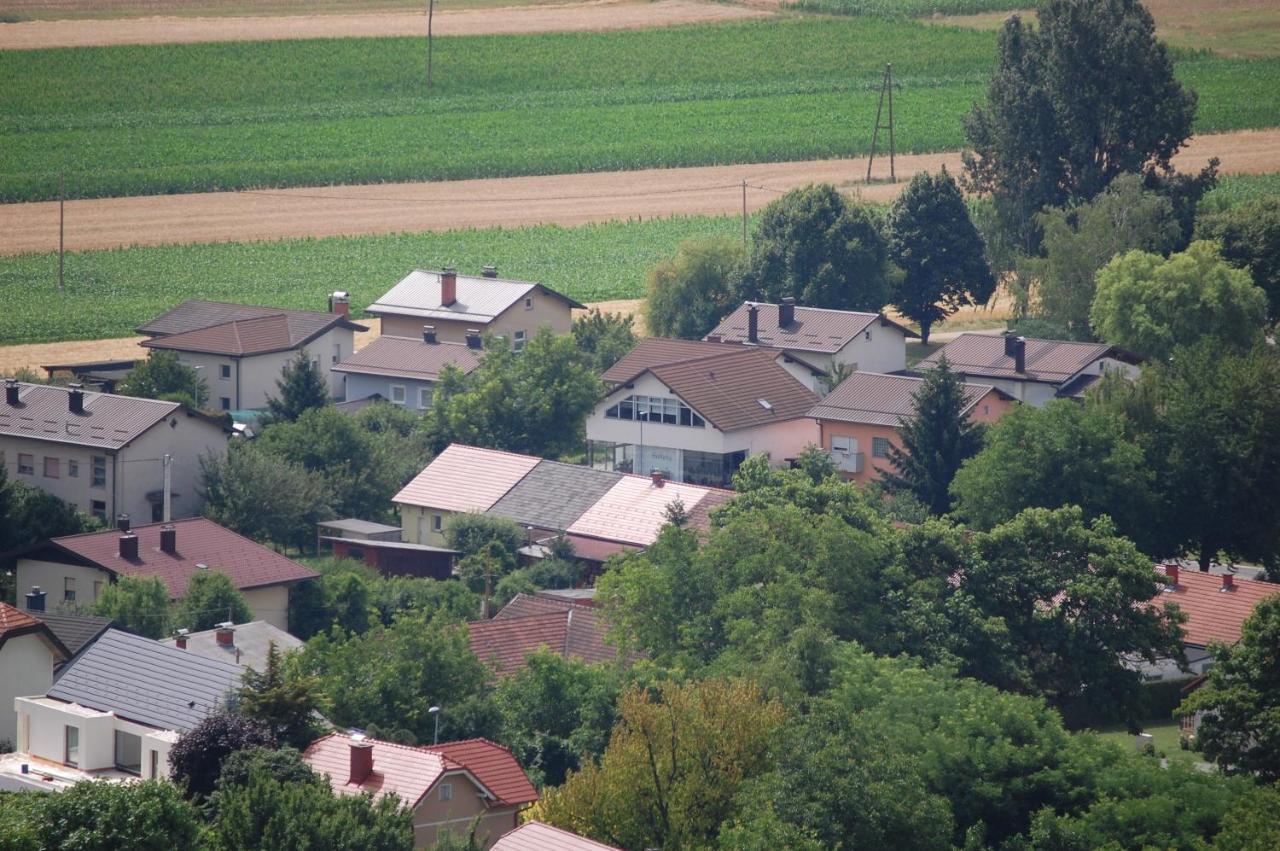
(764, 403)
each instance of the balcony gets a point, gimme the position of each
(847, 462)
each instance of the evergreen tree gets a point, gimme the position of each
(301, 388)
(936, 441)
(163, 376)
(282, 699)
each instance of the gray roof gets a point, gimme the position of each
(479, 300)
(872, 398)
(144, 681)
(195, 314)
(553, 495)
(407, 357)
(360, 527)
(250, 643)
(815, 329)
(108, 421)
(74, 631)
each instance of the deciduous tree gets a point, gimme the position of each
(196, 758)
(1250, 239)
(137, 603)
(211, 598)
(263, 496)
(687, 295)
(163, 376)
(283, 699)
(603, 338)
(99, 814)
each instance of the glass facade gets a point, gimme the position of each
(712, 469)
(655, 409)
(128, 752)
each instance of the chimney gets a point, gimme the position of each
(1228, 582)
(226, 634)
(122, 522)
(1171, 575)
(473, 338)
(11, 388)
(168, 539)
(35, 599)
(361, 760)
(1016, 348)
(786, 312)
(490, 271)
(129, 546)
(753, 325)
(448, 287)
(181, 638)
(340, 303)
(656, 477)
(428, 333)
(75, 399)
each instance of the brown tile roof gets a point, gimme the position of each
(876, 399)
(108, 421)
(258, 336)
(656, 351)
(536, 836)
(466, 478)
(199, 541)
(1212, 613)
(735, 390)
(1051, 361)
(194, 314)
(494, 766)
(408, 357)
(815, 329)
(567, 629)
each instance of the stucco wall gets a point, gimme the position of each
(51, 576)
(780, 441)
(550, 311)
(186, 438)
(47, 720)
(456, 815)
(78, 490)
(417, 527)
(886, 351)
(705, 439)
(270, 604)
(26, 668)
(363, 386)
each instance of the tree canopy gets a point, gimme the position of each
(196, 758)
(1250, 238)
(211, 598)
(603, 338)
(299, 388)
(163, 376)
(263, 496)
(687, 295)
(137, 603)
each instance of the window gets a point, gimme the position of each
(337, 352)
(880, 447)
(26, 464)
(72, 742)
(315, 362)
(52, 468)
(655, 409)
(69, 589)
(128, 752)
(98, 508)
(225, 402)
(73, 469)
(99, 471)
(157, 512)
(224, 371)
(446, 791)
(528, 303)
(437, 522)
(517, 343)
(843, 444)
(868, 334)
(424, 397)
(986, 409)
(397, 394)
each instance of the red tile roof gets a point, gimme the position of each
(108, 421)
(1212, 613)
(407, 357)
(594, 549)
(735, 390)
(199, 541)
(567, 629)
(876, 399)
(536, 836)
(410, 772)
(466, 478)
(259, 335)
(1052, 361)
(815, 329)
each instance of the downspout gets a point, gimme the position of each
(237, 384)
(115, 486)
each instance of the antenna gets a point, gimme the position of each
(886, 87)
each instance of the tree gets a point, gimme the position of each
(535, 401)
(263, 496)
(1075, 101)
(932, 239)
(301, 387)
(1151, 305)
(1250, 239)
(99, 814)
(196, 758)
(137, 603)
(282, 699)
(686, 296)
(603, 338)
(29, 515)
(936, 441)
(1240, 700)
(472, 532)
(211, 598)
(163, 376)
(283, 763)
(813, 245)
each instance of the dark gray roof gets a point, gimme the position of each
(553, 495)
(106, 422)
(195, 314)
(74, 631)
(144, 681)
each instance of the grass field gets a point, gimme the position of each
(39, 10)
(183, 118)
(908, 8)
(1165, 736)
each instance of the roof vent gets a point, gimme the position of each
(35, 599)
(201, 566)
(180, 639)
(340, 303)
(428, 333)
(129, 546)
(490, 271)
(75, 398)
(226, 634)
(657, 477)
(786, 312)
(753, 324)
(1016, 348)
(11, 388)
(122, 522)
(168, 539)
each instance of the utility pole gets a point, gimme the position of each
(886, 87)
(168, 464)
(488, 588)
(62, 222)
(744, 212)
(431, 11)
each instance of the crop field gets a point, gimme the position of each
(908, 8)
(185, 118)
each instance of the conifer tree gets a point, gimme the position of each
(301, 388)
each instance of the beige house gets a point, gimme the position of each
(448, 786)
(454, 308)
(29, 651)
(104, 454)
(240, 349)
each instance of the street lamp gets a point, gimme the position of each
(435, 710)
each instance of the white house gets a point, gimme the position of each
(404, 370)
(103, 453)
(29, 651)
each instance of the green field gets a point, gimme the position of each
(184, 118)
(908, 8)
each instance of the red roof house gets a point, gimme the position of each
(1216, 605)
(536, 836)
(29, 651)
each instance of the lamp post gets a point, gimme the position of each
(435, 710)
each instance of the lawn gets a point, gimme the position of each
(183, 118)
(1166, 735)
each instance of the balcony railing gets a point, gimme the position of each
(847, 462)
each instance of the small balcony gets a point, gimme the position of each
(847, 462)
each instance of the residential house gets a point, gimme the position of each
(698, 418)
(241, 349)
(78, 567)
(1033, 371)
(106, 454)
(448, 786)
(536, 836)
(29, 651)
(870, 342)
(404, 370)
(73, 630)
(594, 507)
(571, 628)
(116, 709)
(246, 644)
(860, 421)
(459, 307)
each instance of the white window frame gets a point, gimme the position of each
(99, 463)
(73, 468)
(404, 394)
(517, 341)
(424, 397)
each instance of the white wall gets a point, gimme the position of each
(51, 577)
(705, 439)
(270, 604)
(886, 351)
(185, 437)
(363, 386)
(26, 667)
(77, 490)
(47, 720)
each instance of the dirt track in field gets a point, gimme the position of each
(571, 199)
(609, 15)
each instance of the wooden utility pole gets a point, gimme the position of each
(744, 212)
(431, 10)
(62, 225)
(886, 87)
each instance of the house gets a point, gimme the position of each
(246, 644)
(106, 454)
(1033, 371)
(563, 625)
(870, 342)
(404, 370)
(697, 419)
(859, 421)
(459, 307)
(116, 709)
(78, 567)
(660, 351)
(448, 786)
(547, 497)
(29, 651)
(73, 630)
(241, 349)
(536, 836)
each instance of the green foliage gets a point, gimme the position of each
(1252, 823)
(98, 816)
(932, 239)
(210, 599)
(263, 496)
(29, 515)
(472, 532)
(813, 245)
(1150, 305)
(283, 699)
(138, 604)
(196, 758)
(163, 376)
(687, 295)
(283, 763)
(603, 337)
(907, 8)
(300, 387)
(1250, 239)
(535, 401)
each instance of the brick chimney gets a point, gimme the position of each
(473, 338)
(168, 539)
(657, 478)
(35, 599)
(340, 303)
(428, 333)
(1171, 575)
(786, 312)
(129, 546)
(11, 388)
(1228, 582)
(448, 287)
(753, 324)
(490, 271)
(180, 640)
(75, 398)
(361, 760)
(226, 634)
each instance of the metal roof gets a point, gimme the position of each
(1050, 361)
(409, 357)
(553, 495)
(466, 478)
(360, 527)
(144, 681)
(815, 329)
(250, 644)
(195, 314)
(479, 299)
(260, 335)
(876, 399)
(74, 631)
(107, 422)
(634, 510)
(735, 390)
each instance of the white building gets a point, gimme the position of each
(29, 651)
(404, 370)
